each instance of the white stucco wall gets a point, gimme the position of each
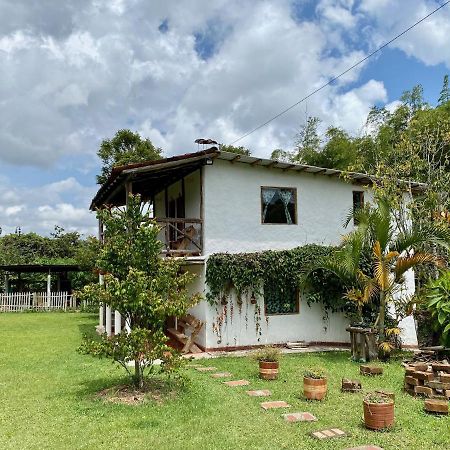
(232, 223)
(239, 329)
(233, 208)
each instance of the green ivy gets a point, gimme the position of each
(248, 273)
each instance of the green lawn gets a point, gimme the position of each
(47, 389)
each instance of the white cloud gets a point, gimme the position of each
(64, 88)
(43, 207)
(338, 12)
(13, 210)
(428, 42)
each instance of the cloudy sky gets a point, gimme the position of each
(73, 72)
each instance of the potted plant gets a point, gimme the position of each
(378, 411)
(268, 358)
(314, 383)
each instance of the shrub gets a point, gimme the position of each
(267, 354)
(439, 305)
(377, 397)
(317, 373)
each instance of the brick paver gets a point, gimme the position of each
(299, 417)
(260, 393)
(221, 375)
(237, 383)
(365, 447)
(329, 433)
(275, 404)
(206, 369)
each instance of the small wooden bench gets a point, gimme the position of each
(191, 327)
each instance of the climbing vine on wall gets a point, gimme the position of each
(248, 274)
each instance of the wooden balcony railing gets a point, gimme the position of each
(182, 237)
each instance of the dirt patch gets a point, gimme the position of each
(155, 391)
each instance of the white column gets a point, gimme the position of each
(49, 289)
(117, 322)
(101, 322)
(108, 321)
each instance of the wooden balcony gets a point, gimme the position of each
(181, 237)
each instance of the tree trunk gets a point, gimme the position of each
(138, 376)
(382, 315)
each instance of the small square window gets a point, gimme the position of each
(358, 203)
(278, 205)
(281, 301)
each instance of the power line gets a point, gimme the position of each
(341, 74)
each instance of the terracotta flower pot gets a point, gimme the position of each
(314, 388)
(268, 370)
(378, 416)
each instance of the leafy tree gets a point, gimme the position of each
(282, 155)
(238, 150)
(444, 96)
(125, 147)
(307, 140)
(145, 288)
(339, 151)
(413, 99)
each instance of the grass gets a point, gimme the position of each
(47, 400)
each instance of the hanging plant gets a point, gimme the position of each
(275, 273)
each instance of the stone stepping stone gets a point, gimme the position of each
(206, 369)
(221, 375)
(365, 447)
(260, 393)
(274, 405)
(299, 417)
(235, 383)
(329, 433)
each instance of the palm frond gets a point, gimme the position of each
(425, 234)
(381, 268)
(404, 263)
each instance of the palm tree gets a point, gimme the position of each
(392, 254)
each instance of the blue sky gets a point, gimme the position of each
(73, 73)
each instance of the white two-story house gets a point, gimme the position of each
(212, 201)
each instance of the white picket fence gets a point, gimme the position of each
(21, 301)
